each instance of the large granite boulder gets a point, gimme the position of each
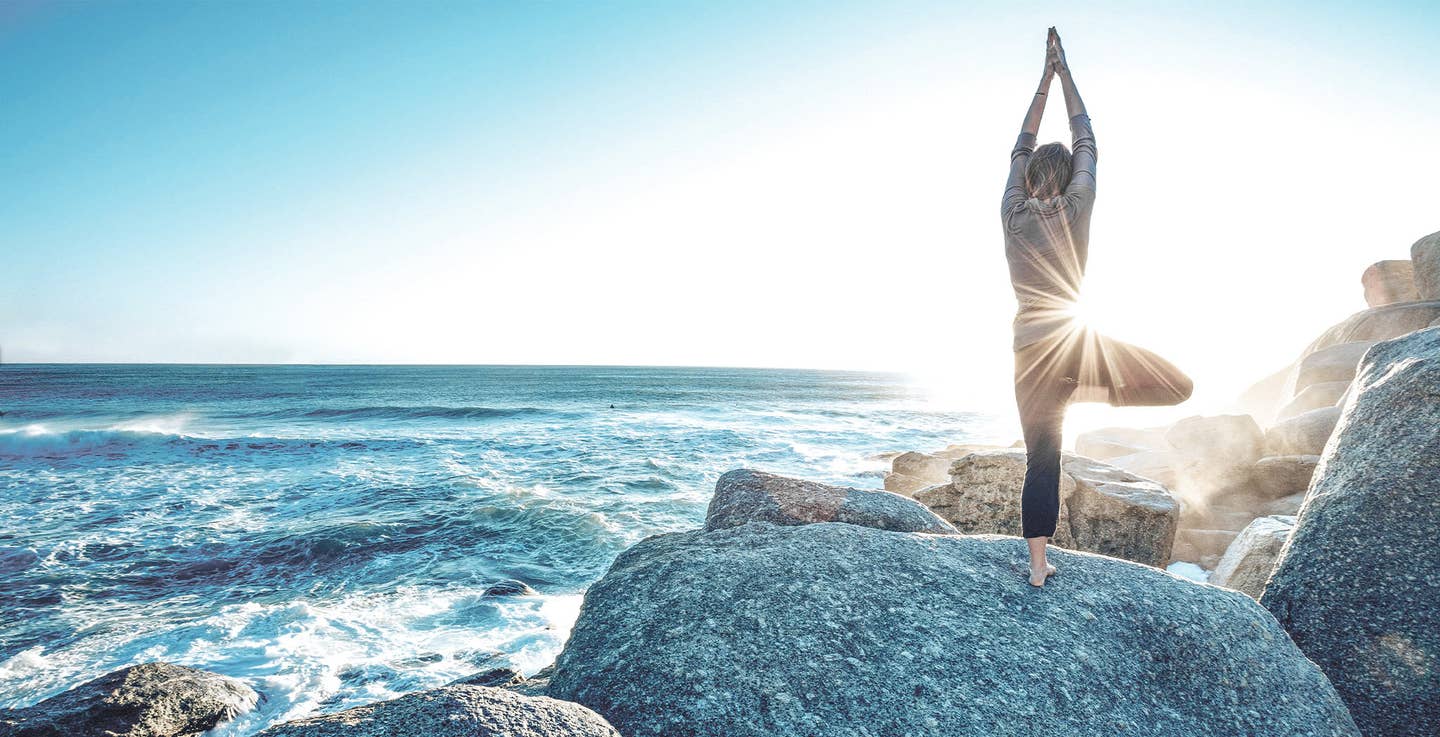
(745, 495)
(1247, 562)
(1425, 257)
(1304, 434)
(1103, 509)
(146, 700)
(454, 711)
(1315, 396)
(1356, 587)
(1114, 442)
(1279, 476)
(833, 629)
(1389, 282)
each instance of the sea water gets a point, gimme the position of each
(327, 533)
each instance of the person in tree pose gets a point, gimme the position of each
(1058, 360)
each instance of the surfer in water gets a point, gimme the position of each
(1058, 360)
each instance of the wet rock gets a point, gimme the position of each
(500, 677)
(746, 495)
(1315, 396)
(834, 629)
(454, 711)
(1304, 434)
(146, 700)
(535, 685)
(1425, 257)
(1247, 562)
(510, 587)
(1355, 588)
(1389, 282)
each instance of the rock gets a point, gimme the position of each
(454, 711)
(1114, 442)
(495, 677)
(1201, 547)
(1247, 562)
(922, 465)
(1279, 476)
(1333, 363)
(1355, 588)
(983, 495)
(1302, 435)
(1435, 324)
(1285, 506)
(1378, 323)
(1117, 513)
(1159, 466)
(1425, 257)
(1232, 440)
(535, 685)
(1315, 396)
(510, 587)
(832, 629)
(898, 483)
(745, 495)
(1103, 509)
(957, 451)
(146, 700)
(1389, 282)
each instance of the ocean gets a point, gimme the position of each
(327, 533)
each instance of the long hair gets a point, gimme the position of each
(1048, 173)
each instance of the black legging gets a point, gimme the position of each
(1048, 375)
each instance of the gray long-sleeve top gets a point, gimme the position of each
(1047, 241)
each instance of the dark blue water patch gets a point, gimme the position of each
(403, 413)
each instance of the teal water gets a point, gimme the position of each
(327, 533)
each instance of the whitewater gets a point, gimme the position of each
(327, 534)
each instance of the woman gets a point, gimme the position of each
(1046, 213)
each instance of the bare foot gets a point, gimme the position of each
(1037, 578)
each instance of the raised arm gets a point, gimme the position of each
(1082, 138)
(1015, 192)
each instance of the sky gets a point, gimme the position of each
(798, 184)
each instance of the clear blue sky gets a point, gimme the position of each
(741, 183)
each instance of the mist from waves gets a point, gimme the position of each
(327, 533)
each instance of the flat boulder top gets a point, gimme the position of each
(745, 495)
(833, 629)
(454, 711)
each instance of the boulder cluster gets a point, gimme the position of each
(801, 608)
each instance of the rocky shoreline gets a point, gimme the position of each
(808, 609)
